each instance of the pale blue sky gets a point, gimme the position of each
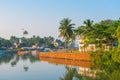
(42, 17)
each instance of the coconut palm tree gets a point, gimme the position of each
(83, 30)
(79, 31)
(66, 30)
(88, 24)
(88, 27)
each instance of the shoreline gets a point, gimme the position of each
(66, 55)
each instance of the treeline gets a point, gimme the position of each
(28, 42)
(103, 32)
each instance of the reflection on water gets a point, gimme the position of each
(85, 64)
(74, 69)
(83, 70)
(27, 65)
(14, 58)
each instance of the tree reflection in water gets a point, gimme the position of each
(13, 59)
(73, 74)
(81, 73)
(6, 58)
(70, 73)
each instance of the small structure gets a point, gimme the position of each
(90, 47)
(82, 48)
(81, 45)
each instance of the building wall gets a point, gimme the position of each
(90, 47)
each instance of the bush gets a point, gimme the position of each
(116, 55)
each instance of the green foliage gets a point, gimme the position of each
(5, 43)
(66, 30)
(104, 60)
(88, 24)
(102, 76)
(47, 41)
(14, 39)
(95, 57)
(98, 33)
(28, 42)
(115, 75)
(118, 32)
(118, 35)
(116, 55)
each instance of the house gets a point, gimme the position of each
(90, 47)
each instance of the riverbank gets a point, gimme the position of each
(66, 55)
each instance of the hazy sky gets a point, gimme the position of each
(42, 17)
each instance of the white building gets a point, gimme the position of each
(90, 47)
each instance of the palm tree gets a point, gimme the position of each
(79, 31)
(66, 30)
(24, 39)
(84, 30)
(88, 24)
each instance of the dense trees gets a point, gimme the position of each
(98, 33)
(103, 32)
(28, 42)
(5, 43)
(108, 61)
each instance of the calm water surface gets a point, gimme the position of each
(28, 66)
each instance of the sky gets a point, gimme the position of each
(42, 17)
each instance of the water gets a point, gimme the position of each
(36, 71)
(28, 66)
